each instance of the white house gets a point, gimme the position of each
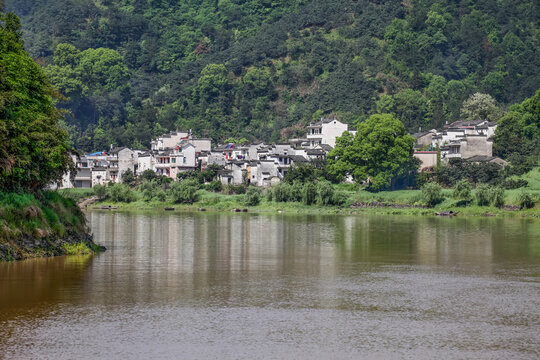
(325, 131)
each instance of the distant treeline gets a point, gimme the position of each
(133, 69)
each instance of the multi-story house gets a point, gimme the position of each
(325, 131)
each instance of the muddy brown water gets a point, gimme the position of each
(247, 286)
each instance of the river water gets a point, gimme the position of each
(228, 286)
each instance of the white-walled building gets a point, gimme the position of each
(325, 131)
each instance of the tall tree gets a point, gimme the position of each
(33, 148)
(379, 153)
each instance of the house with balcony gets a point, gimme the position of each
(325, 131)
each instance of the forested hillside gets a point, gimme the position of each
(132, 69)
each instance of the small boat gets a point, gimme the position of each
(168, 208)
(244, 210)
(237, 210)
(446, 213)
(202, 209)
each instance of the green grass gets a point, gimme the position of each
(77, 249)
(221, 202)
(76, 194)
(44, 217)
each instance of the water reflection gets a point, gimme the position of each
(301, 285)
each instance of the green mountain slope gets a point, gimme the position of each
(263, 69)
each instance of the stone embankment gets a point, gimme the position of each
(84, 203)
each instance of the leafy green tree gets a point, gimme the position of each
(432, 194)
(128, 177)
(33, 148)
(480, 107)
(380, 153)
(213, 80)
(462, 191)
(526, 200)
(301, 172)
(482, 194)
(253, 196)
(325, 193)
(518, 132)
(496, 196)
(100, 191)
(309, 193)
(186, 191)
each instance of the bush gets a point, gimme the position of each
(160, 196)
(185, 191)
(100, 191)
(281, 192)
(253, 196)
(121, 193)
(309, 193)
(514, 183)
(128, 177)
(295, 191)
(526, 200)
(496, 197)
(191, 174)
(432, 194)
(214, 186)
(325, 193)
(462, 191)
(147, 175)
(339, 198)
(301, 173)
(269, 194)
(234, 189)
(482, 195)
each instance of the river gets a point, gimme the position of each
(247, 286)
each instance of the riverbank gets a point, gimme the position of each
(39, 226)
(405, 202)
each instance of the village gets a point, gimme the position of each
(264, 165)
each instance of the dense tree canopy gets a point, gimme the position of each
(379, 153)
(33, 149)
(518, 132)
(131, 69)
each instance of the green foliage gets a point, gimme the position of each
(458, 169)
(147, 175)
(260, 70)
(33, 148)
(480, 107)
(462, 191)
(128, 177)
(302, 173)
(100, 191)
(432, 194)
(215, 186)
(325, 193)
(517, 137)
(76, 249)
(121, 193)
(234, 189)
(496, 196)
(281, 192)
(482, 195)
(526, 200)
(379, 154)
(253, 196)
(309, 193)
(185, 191)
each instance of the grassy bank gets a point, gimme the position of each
(46, 224)
(351, 200)
(389, 202)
